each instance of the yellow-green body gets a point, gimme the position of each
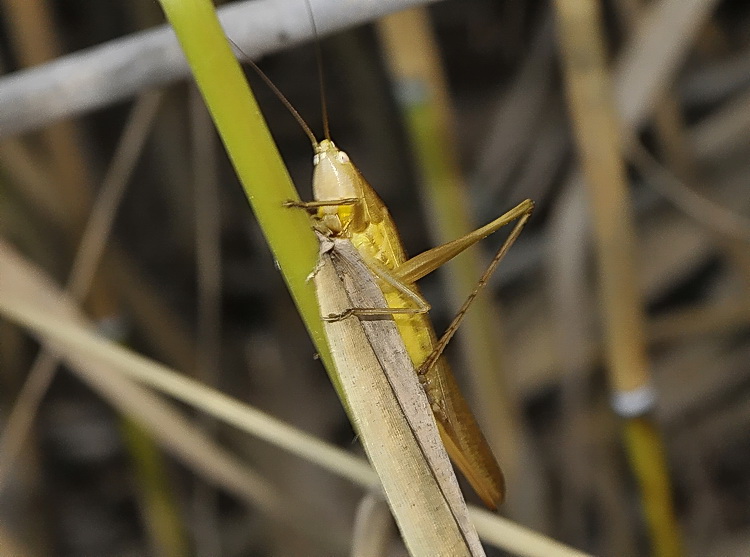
(364, 219)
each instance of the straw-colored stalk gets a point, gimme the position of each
(593, 110)
(31, 300)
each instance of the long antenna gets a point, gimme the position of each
(280, 95)
(321, 78)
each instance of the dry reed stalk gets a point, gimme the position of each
(119, 69)
(26, 286)
(28, 297)
(597, 131)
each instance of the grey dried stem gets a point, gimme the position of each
(117, 70)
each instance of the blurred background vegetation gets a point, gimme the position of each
(488, 109)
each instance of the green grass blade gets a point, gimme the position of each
(253, 153)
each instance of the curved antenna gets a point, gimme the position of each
(321, 77)
(276, 91)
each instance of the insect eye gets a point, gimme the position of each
(342, 157)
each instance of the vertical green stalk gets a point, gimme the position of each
(253, 153)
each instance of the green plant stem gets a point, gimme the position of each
(253, 154)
